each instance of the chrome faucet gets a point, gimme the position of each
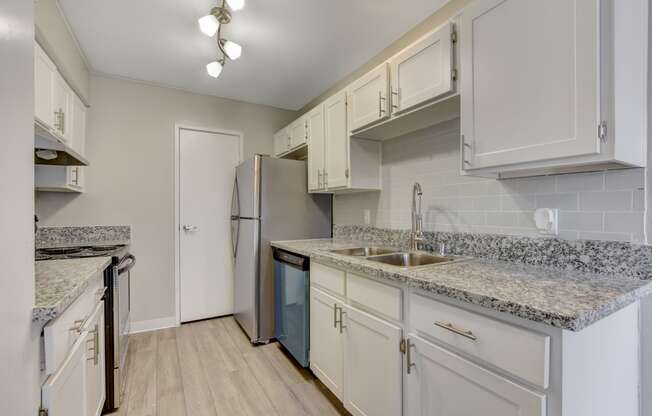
(416, 236)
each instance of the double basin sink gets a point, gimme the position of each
(394, 257)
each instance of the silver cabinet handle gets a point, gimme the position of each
(190, 228)
(408, 356)
(96, 345)
(465, 146)
(77, 325)
(398, 99)
(381, 100)
(325, 179)
(450, 327)
(338, 321)
(318, 178)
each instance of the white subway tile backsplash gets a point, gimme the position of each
(564, 201)
(581, 221)
(580, 182)
(624, 179)
(601, 205)
(606, 201)
(630, 222)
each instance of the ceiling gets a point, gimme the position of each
(293, 50)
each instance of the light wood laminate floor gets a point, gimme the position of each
(209, 368)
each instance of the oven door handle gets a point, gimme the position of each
(130, 259)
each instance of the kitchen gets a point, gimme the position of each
(442, 211)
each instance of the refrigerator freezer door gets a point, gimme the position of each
(248, 187)
(246, 277)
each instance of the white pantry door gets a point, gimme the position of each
(207, 163)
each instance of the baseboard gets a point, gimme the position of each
(153, 324)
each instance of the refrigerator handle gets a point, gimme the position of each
(235, 217)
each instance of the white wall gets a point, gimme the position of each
(131, 178)
(603, 206)
(19, 347)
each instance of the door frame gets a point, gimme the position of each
(177, 201)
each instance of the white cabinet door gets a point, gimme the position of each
(95, 368)
(281, 141)
(61, 103)
(441, 383)
(530, 81)
(337, 141)
(372, 365)
(44, 71)
(326, 348)
(64, 392)
(316, 148)
(298, 132)
(368, 98)
(423, 71)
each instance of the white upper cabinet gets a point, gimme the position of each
(423, 71)
(369, 98)
(44, 71)
(281, 141)
(61, 105)
(536, 85)
(78, 125)
(316, 148)
(298, 133)
(337, 142)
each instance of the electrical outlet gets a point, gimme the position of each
(367, 216)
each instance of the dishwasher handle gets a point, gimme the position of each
(291, 259)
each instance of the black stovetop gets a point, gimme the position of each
(75, 252)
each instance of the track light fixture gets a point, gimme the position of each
(211, 24)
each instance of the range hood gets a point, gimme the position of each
(48, 150)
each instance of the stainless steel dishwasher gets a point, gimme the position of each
(292, 303)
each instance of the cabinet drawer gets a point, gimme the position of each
(519, 351)
(59, 334)
(327, 277)
(384, 299)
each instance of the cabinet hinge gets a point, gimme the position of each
(401, 346)
(453, 36)
(43, 412)
(602, 131)
(346, 172)
(454, 74)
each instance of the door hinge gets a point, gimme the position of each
(602, 131)
(43, 412)
(346, 172)
(401, 346)
(454, 36)
(454, 74)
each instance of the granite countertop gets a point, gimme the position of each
(60, 282)
(561, 298)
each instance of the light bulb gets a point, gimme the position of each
(236, 4)
(208, 25)
(232, 50)
(214, 69)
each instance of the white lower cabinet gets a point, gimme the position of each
(95, 365)
(372, 365)
(78, 385)
(441, 383)
(63, 394)
(326, 348)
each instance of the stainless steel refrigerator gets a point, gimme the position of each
(270, 202)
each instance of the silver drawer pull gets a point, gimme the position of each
(450, 327)
(77, 325)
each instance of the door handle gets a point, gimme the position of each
(190, 228)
